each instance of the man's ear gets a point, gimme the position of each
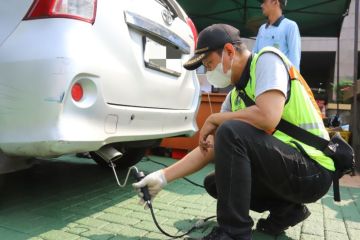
(229, 49)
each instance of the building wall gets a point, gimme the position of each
(346, 45)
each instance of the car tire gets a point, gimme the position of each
(131, 156)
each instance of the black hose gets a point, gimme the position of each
(198, 224)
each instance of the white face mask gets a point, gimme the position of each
(217, 77)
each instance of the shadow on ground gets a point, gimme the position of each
(53, 194)
(72, 196)
(348, 209)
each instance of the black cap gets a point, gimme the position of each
(212, 38)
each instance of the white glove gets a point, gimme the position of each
(155, 181)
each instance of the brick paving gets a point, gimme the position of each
(71, 198)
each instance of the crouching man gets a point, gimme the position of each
(256, 167)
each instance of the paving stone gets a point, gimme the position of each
(350, 212)
(167, 207)
(92, 222)
(114, 218)
(35, 225)
(78, 229)
(331, 209)
(127, 231)
(117, 210)
(292, 233)
(315, 207)
(79, 210)
(122, 238)
(354, 234)
(12, 235)
(176, 215)
(82, 238)
(193, 197)
(313, 227)
(334, 213)
(96, 203)
(335, 226)
(58, 235)
(316, 217)
(97, 234)
(196, 212)
(146, 216)
(187, 205)
(352, 224)
(153, 235)
(255, 215)
(335, 235)
(171, 198)
(151, 227)
(311, 237)
(54, 213)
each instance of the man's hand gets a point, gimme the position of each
(208, 128)
(155, 181)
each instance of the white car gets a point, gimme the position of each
(99, 76)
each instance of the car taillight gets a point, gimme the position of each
(77, 92)
(84, 10)
(193, 30)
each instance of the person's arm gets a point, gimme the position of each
(189, 164)
(294, 44)
(270, 95)
(265, 115)
(192, 162)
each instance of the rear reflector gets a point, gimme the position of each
(193, 29)
(84, 10)
(77, 92)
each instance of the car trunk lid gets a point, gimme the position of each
(158, 46)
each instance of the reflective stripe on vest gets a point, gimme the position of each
(299, 99)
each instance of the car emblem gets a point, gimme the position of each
(166, 15)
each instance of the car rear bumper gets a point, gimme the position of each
(78, 132)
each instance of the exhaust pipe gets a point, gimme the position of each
(109, 153)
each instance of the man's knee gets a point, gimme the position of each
(210, 185)
(233, 129)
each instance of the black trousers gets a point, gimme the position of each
(254, 170)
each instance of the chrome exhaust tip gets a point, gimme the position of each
(109, 153)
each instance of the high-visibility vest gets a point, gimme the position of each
(300, 108)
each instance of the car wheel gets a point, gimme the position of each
(131, 156)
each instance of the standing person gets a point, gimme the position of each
(253, 169)
(279, 32)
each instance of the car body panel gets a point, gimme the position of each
(123, 99)
(11, 14)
